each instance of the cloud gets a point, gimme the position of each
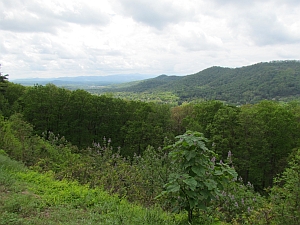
(39, 16)
(261, 22)
(199, 41)
(268, 30)
(156, 14)
(2, 46)
(80, 13)
(88, 37)
(244, 3)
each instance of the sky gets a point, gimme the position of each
(59, 38)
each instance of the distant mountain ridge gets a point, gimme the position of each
(278, 80)
(85, 80)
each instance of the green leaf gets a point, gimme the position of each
(173, 188)
(198, 170)
(191, 182)
(202, 206)
(210, 184)
(192, 202)
(204, 194)
(190, 155)
(218, 172)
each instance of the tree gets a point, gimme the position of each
(11, 97)
(4, 105)
(285, 195)
(198, 179)
(181, 115)
(148, 124)
(204, 114)
(223, 130)
(268, 133)
(3, 79)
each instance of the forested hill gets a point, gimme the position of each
(152, 84)
(278, 80)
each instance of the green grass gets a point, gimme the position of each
(28, 197)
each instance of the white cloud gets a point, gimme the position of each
(47, 16)
(85, 37)
(156, 14)
(262, 22)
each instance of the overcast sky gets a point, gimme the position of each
(40, 38)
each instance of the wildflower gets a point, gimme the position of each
(213, 159)
(109, 140)
(229, 154)
(236, 204)
(229, 157)
(249, 209)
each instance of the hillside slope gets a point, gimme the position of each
(28, 197)
(273, 80)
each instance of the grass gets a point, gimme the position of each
(28, 197)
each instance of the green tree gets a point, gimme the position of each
(199, 179)
(202, 116)
(47, 108)
(285, 195)
(148, 124)
(181, 117)
(12, 96)
(223, 130)
(268, 133)
(3, 80)
(3, 84)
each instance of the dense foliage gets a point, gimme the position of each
(118, 145)
(260, 136)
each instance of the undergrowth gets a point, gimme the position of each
(28, 197)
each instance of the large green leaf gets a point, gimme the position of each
(190, 155)
(210, 184)
(218, 172)
(199, 171)
(193, 202)
(191, 182)
(173, 188)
